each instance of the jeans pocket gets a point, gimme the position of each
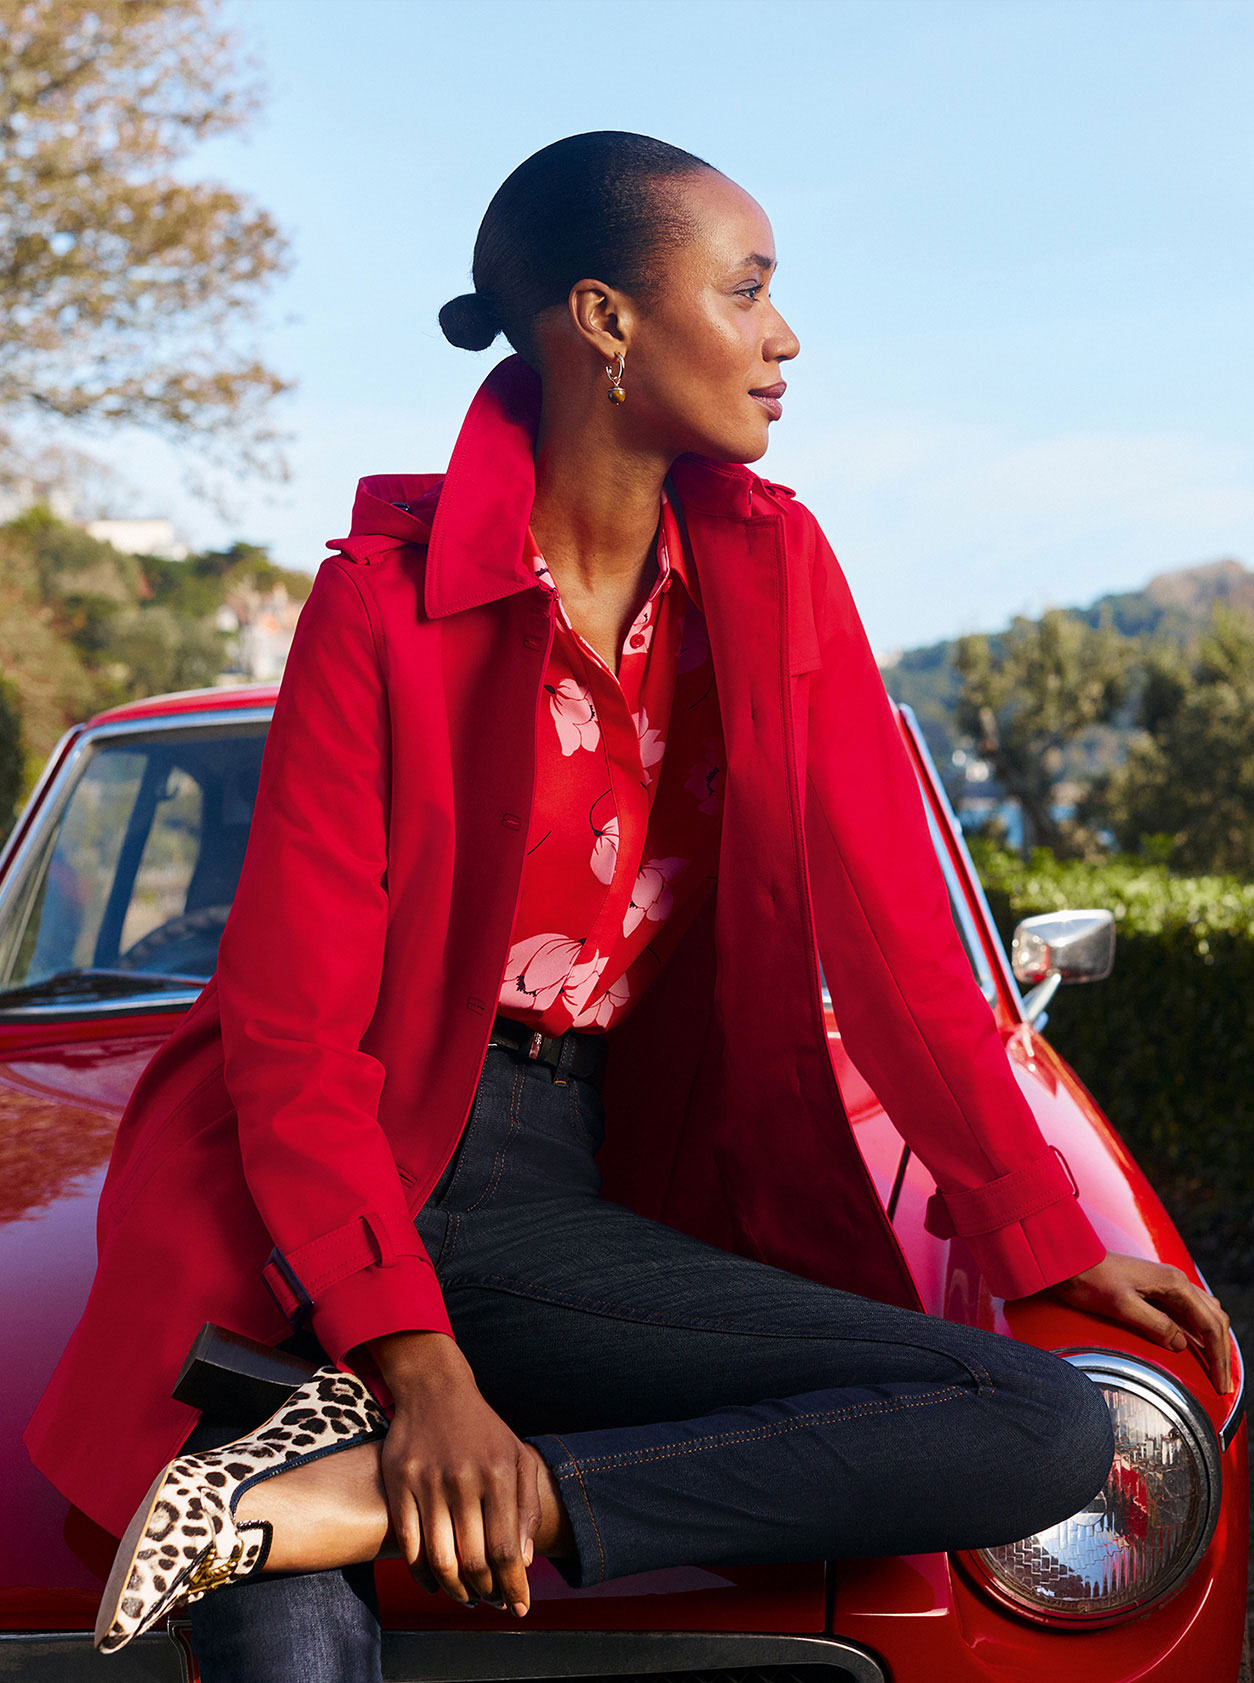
(434, 1227)
(587, 1113)
(473, 1172)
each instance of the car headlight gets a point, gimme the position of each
(1141, 1536)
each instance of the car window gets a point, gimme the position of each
(168, 861)
(135, 865)
(964, 921)
(959, 911)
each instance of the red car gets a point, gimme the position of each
(113, 891)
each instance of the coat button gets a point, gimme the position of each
(637, 640)
(511, 821)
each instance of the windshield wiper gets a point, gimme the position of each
(96, 984)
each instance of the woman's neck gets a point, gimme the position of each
(595, 519)
(597, 500)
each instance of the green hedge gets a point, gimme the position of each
(1167, 1043)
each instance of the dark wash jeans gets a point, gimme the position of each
(694, 1406)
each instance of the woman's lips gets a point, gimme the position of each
(769, 397)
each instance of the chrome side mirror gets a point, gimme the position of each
(1059, 947)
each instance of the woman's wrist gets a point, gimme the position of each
(410, 1360)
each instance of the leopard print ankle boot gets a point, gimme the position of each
(184, 1540)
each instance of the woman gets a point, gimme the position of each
(580, 762)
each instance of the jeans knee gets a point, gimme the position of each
(1069, 1421)
(1092, 1445)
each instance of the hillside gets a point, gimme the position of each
(1174, 606)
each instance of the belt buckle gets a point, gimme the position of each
(537, 1041)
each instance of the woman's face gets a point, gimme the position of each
(704, 354)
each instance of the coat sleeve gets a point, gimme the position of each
(298, 976)
(910, 1013)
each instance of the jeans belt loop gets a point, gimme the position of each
(561, 1070)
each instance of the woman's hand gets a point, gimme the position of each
(462, 1490)
(1159, 1301)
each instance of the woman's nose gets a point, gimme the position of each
(781, 345)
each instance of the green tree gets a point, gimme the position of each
(1027, 696)
(1186, 787)
(82, 628)
(12, 755)
(123, 283)
(151, 650)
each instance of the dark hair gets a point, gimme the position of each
(588, 205)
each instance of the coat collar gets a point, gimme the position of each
(473, 520)
(478, 545)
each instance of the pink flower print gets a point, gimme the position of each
(581, 983)
(605, 851)
(651, 897)
(537, 969)
(600, 1014)
(574, 715)
(652, 745)
(545, 577)
(641, 633)
(694, 646)
(705, 781)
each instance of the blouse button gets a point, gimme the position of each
(637, 640)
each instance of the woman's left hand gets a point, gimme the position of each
(1159, 1301)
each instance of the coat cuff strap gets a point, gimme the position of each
(297, 1279)
(967, 1213)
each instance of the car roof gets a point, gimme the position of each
(219, 699)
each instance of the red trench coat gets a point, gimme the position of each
(310, 1098)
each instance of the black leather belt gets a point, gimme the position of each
(571, 1054)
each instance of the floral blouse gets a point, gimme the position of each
(623, 842)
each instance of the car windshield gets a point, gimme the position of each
(125, 886)
(127, 883)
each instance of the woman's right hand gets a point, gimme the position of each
(462, 1491)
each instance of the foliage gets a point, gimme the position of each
(12, 752)
(122, 281)
(1023, 703)
(198, 585)
(1189, 776)
(83, 627)
(1166, 1043)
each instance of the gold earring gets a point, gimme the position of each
(616, 394)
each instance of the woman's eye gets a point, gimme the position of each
(751, 292)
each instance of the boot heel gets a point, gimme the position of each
(184, 1541)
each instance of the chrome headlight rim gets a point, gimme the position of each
(1162, 1390)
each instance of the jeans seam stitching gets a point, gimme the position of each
(641, 1457)
(463, 1144)
(576, 1116)
(572, 1466)
(454, 1233)
(616, 1311)
(498, 1164)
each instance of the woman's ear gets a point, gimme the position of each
(602, 316)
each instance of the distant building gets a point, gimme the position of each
(139, 537)
(20, 492)
(261, 625)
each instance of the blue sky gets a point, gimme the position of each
(1016, 240)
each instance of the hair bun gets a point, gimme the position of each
(468, 323)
